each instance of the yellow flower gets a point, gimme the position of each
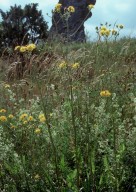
(42, 118)
(25, 122)
(37, 131)
(23, 116)
(41, 115)
(62, 65)
(90, 6)
(103, 28)
(107, 32)
(3, 118)
(23, 49)
(105, 93)
(71, 9)
(7, 86)
(12, 127)
(30, 47)
(11, 116)
(3, 111)
(58, 7)
(37, 177)
(30, 118)
(102, 32)
(75, 65)
(17, 48)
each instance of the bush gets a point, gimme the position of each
(21, 25)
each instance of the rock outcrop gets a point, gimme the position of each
(73, 28)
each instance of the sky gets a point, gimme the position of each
(111, 11)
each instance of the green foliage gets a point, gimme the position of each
(21, 25)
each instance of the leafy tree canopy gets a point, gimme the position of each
(22, 25)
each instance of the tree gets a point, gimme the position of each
(21, 25)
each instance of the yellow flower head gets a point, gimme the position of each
(3, 118)
(30, 118)
(107, 32)
(23, 116)
(17, 48)
(75, 65)
(58, 7)
(37, 131)
(62, 65)
(25, 122)
(7, 86)
(37, 177)
(23, 49)
(12, 126)
(31, 47)
(105, 93)
(71, 9)
(103, 28)
(90, 6)
(102, 32)
(42, 118)
(11, 116)
(3, 111)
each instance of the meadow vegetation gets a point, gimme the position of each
(68, 117)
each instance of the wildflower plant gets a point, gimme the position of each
(106, 32)
(22, 49)
(71, 127)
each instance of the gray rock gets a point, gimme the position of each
(73, 28)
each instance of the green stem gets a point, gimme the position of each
(116, 165)
(75, 132)
(50, 135)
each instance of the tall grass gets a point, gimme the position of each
(83, 140)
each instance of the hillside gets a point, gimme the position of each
(68, 118)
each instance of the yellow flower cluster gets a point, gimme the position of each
(3, 111)
(37, 177)
(104, 31)
(58, 7)
(10, 116)
(37, 130)
(42, 118)
(25, 118)
(75, 65)
(30, 118)
(105, 93)
(3, 118)
(23, 49)
(62, 65)
(12, 126)
(90, 6)
(71, 9)
(7, 86)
